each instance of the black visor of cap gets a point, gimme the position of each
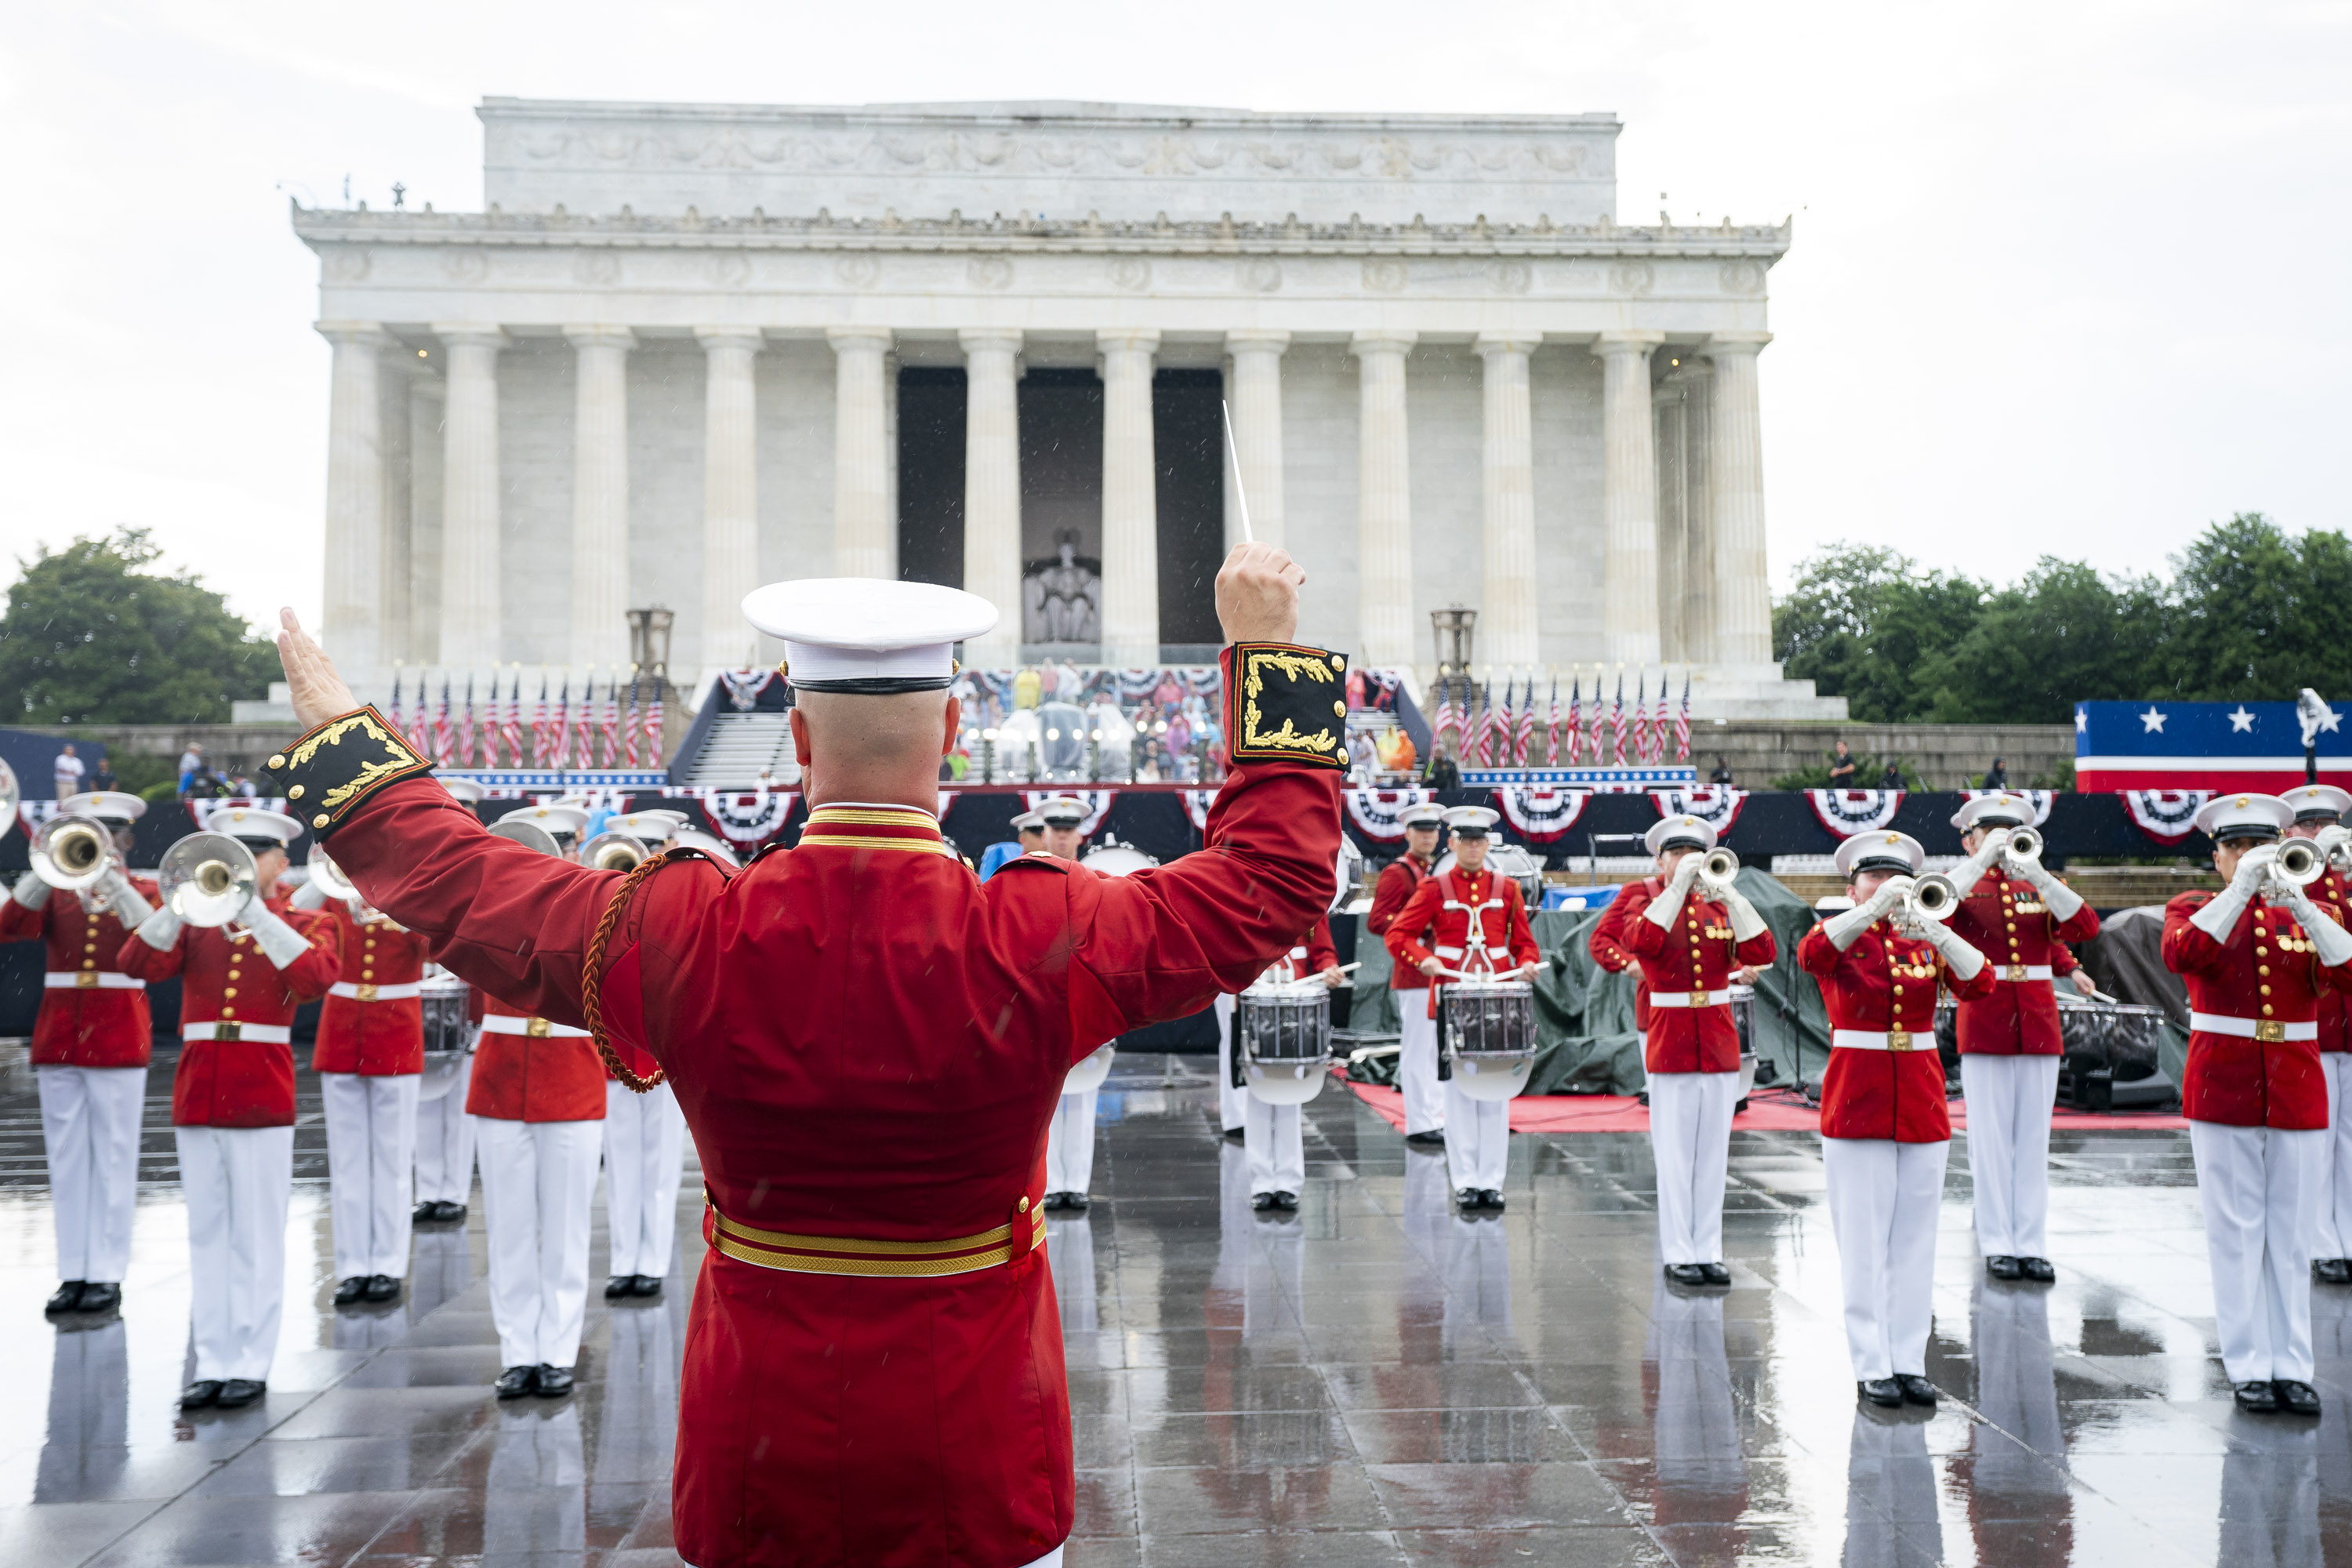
(876, 684)
(1469, 830)
(1990, 821)
(2259, 832)
(1900, 864)
(1682, 841)
(259, 846)
(2315, 814)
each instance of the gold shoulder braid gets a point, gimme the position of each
(1288, 702)
(592, 979)
(331, 770)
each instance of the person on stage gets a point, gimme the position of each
(445, 1133)
(2257, 956)
(90, 1046)
(1693, 944)
(233, 1100)
(867, 1044)
(1070, 1136)
(1468, 919)
(1274, 1138)
(1424, 1098)
(644, 1139)
(2317, 808)
(1886, 1132)
(2021, 917)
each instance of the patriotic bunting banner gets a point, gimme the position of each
(2039, 799)
(1097, 804)
(1846, 811)
(1539, 815)
(1715, 807)
(748, 818)
(1196, 806)
(2167, 816)
(1378, 814)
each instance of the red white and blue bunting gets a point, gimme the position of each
(1097, 804)
(2039, 799)
(1378, 814)
(1196, 806)
(1541, 814)
(1717, 806)
(2167, 816)
(747, 818)
(1846, 811)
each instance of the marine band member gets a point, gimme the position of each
(1070, 1136)
(2318, 814)
(445, 1133)
(1274, 1136)
(1425, 1099)
(645, 1134)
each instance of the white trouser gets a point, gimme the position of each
(539, 1188)
(1275, 1140)
(1070, 1144)
(1478, 1138)
(445, 1141)
(1690, 1144)
(2259, 1186)
(1425, 1104)
(1229, 1098)
(1070, 1254)
(2008, 1149)
(645, 1158)
(90, 1125)
(236, 1182)
(370, 1148)
(2331, 1235)
(1883, 1198)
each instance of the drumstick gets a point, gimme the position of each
(1234, 454)
(1350, 968)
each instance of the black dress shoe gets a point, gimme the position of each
(2002, 1267)
(1261, 1201)
(1236, 1134)
(1074, 1200)
(1685, 1273)
(351, 1291)
(1285, 1200)
(618, 1285)
(1716, 1274)
(425, 1213)
(2038, 1270)
(1883, 1392)
(1467, 1197)
(1488, 1198)
(1917, 1390)
(382, 1288)
(451, 1211)
(644, 1285)
(2332, 1270)
(66, 1298)
(239, 1392)
(2295, 1397)
(100, 1296)
(554, 1382)
(205, 1390)
(1434, 1139)
(516, 1381)
(2262, 1398)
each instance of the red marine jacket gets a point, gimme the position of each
(99, 1021)
(867, 1044)
(227, 982)
(1399, 881)
(1316, 955)
(2335, 1023)
(2024, 945)
(1884, 982)
(1607, 944)
(2265, 979)
(361, 1029)
(1439, 914)
(1693, 961)
(530, 1068)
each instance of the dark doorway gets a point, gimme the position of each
(1188, 446)
(930, 475)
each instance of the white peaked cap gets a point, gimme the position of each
(2012, 808)
(1028, 822)
(1067, 810)
(556, 817)
(465, 790)
(1428, 813)
(1881, 852)
(2244, 817)
(1679, 829)
(647, 825)
(2310, 800)
(694, 838)
(866, 635)
(246, 821)
(107, 802)
(1472, 818)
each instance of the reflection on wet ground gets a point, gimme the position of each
(1371, 1380)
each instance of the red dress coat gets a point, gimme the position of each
(1607, 944)
(1316, 953)
(1436, 923)
(99, 1022)
(550, 1072)
(1884, 982)
(2335, 1022)
(228, 980)
(868, 1042)
(1399, 881)
(2266, 973)
(2003, 918)
(368, 1034)
(1698, 957)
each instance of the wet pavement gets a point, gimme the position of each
(1373, 1381)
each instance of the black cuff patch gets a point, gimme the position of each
(328, 771)
(1286, 703)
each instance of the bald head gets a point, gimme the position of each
(881, 749)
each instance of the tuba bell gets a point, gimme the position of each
(1932, 899)
(612, 851)
(72, 853)
(207, 878)
(1720, 870)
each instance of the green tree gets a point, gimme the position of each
(90, 635)
(2256, 613)
(2062, 634)
(1865, 621)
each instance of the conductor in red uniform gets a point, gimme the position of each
(2021, 917)
(90, 1046)
(2319, 816)
(1424, 1098)
(867, 1043)
(2256, 956)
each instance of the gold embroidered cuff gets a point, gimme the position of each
(1286, 703)
(328, 772)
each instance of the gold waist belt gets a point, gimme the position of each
(876, 1259)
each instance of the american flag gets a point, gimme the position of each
(1504, 729)
(1658, 722)
(1617, 722)
(560, 730)
(1682, 723)
(1641, 717)
(1575, 736)
(1523, 741)
(514, 719)
(398, 723)
(441, 742)
(1485, 749)
(1599, 712)
(654, 722)
(542, 739)
(611, 719)
(465, 726)
(583, 726)
(1449, 720)
(1551, 726)
(629, 732)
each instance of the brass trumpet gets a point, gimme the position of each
(2299, 863)
(207, 878)
(2023, 848)
(1931, 900)
(72, 853)
(1719, 870)
(613, 851)
(329, 879)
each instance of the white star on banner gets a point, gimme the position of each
(2152, 722)
(2241, 721)
(2082, 720)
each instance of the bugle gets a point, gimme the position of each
(1720, 870)
(207, 878)
(329, 879)
(72, 853)
(613, 851)
(2299, 863)
(2023, 848)
(1932, 899)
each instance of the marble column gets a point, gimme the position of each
(350, 622)
(1131, 502)
(471, 559)
(1698, 516)
(1506, 619)
(730, 495)
(992, 488)
(1384, 627)
(1743, 597)
(1629, 498)
(1673, 515)
(395, 586)
(863, 532)
(1257, 432)
(600, 495)
(428, 420)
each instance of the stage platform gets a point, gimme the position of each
(1373, 1381)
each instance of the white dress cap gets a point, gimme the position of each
(1029, 822)
(112, 804)
(2244, 817)
(465, 790)
(2006, 808)
(1686, 831)
(246, 821)
(1428, 813)
(2312, 802)
(556, 817)
(1062, 811)
(1897, 852)
(648, 826)
(867, 636)
(1471, 819)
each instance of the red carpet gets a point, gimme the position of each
(1769, 1110)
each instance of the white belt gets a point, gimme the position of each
(90, 980)
(537, 1028)
(375, 993)
(1495, 950)
(1875, 1039)
(2023, 971)
(230, 1029)
(1690, 998)
(2252, 1028)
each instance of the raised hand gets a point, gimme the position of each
(1257, 594)
(319, 693)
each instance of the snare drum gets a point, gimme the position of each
(1090, 1072)
(448, 1034)
(1487, 1036)
(1282, 1041)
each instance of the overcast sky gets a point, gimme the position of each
(2065, 279)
